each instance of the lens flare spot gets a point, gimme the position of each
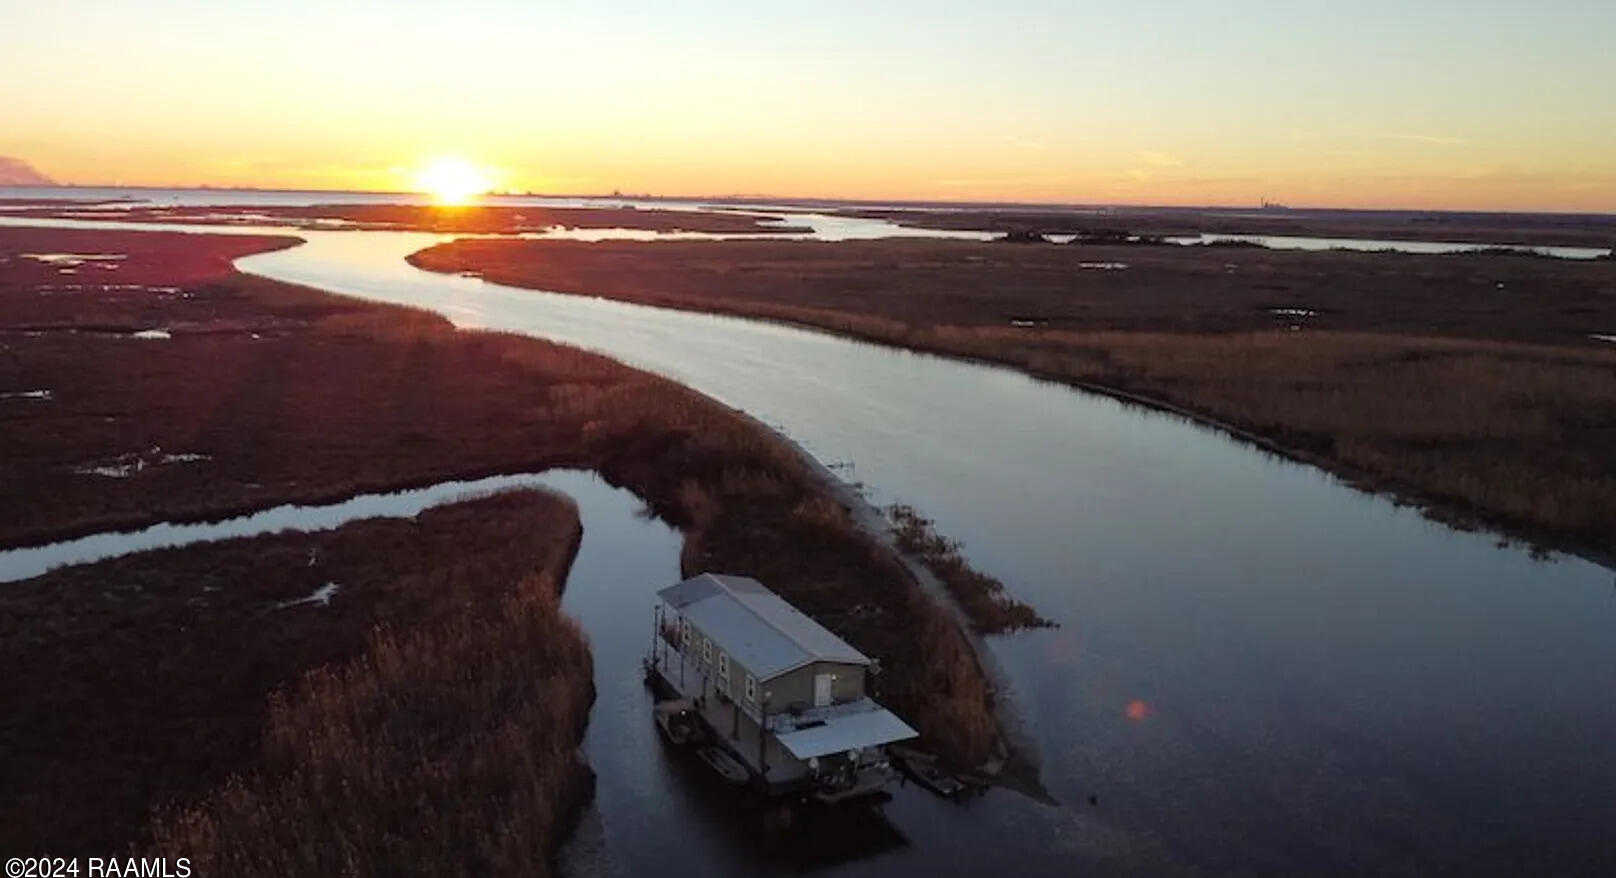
(1137, 711)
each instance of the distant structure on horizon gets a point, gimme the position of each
(1274, 205)
(16, 172)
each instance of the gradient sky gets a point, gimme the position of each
(1460, 105)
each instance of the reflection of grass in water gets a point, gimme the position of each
(982, 596)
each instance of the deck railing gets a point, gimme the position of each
(670, 634)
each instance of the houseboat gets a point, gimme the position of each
(768, 696)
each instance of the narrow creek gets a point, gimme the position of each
(32, 561)
(1259, 668)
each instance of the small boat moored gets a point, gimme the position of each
(678, 721)
(727, 766)
(922, 769)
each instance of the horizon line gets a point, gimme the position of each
(790, 200)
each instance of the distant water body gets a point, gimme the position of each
(1300, 242)
(141, 197)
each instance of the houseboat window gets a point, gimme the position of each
(723, 667)
(751, 688)
(706, 650)
(684, 633)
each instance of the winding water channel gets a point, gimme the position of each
(1259, 669)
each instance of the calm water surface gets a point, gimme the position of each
(1259, 669)
(23, 563)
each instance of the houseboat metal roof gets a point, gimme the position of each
(872, 726)
(763, 632)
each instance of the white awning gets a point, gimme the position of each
(870, 728)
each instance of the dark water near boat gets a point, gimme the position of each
(659, 811)
(1259, 669)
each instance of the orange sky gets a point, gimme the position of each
(1464, 105)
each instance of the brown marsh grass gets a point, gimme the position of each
(1512, 435)
(444, 750)
(147, 679)
(1466, 384)
(1536, 229)
(983, 597)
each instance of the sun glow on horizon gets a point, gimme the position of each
(1431, 106)
(453, 180)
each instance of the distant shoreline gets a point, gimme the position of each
(860, 203)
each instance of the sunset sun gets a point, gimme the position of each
(452, 180)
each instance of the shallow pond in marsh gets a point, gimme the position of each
(1259, 668)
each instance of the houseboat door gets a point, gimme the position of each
(822, 689)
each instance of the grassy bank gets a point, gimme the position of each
(981, 596)
(746, 502)
(1467, 384)
(448, 749)
(265, 393)
(1532, 229)
(145, 680)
